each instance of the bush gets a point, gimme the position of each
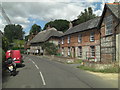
(50, 48)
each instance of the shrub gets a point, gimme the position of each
(50, 48)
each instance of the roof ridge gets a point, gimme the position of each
(84, 22)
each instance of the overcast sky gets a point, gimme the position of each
(28, 13)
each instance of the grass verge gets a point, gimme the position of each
(108, 70)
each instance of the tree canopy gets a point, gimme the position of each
(35, 29)
(13, 31)
(5, 43)
(60, 25)
(84, 16)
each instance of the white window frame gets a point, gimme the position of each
(92, 36)
(79, 38)
(62, 41)
(68, 51)
(68, 41)
(62, 50)
(108, 25)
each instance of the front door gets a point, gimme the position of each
(73, 52)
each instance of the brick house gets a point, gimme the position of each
(48, 35)
(110, 33)
(82, 41)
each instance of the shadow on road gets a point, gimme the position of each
(21, 66)
(6, 75)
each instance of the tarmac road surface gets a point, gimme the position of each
(42, 73)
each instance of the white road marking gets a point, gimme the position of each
(42, 79)
(36, 66)
(33, 62)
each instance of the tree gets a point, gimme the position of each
(18, 44)
(18, 32)
(27, 37)
(50, 48)
(5, 43)
(13, 31)
(60, 25)
(84, 16)
(35, 29)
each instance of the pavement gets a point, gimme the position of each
(39, 72)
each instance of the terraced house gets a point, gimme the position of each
(110, 33)
(97, 39)
(82, 41)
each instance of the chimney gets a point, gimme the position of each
(48, 27)
(70, 25)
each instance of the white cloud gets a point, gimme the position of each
(98, 12)
(20, 12)
(20, 20)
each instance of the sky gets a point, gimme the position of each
(27, 12)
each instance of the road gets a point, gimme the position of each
(42, 73)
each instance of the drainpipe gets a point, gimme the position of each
(100, 42)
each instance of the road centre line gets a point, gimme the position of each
(43, 80)
(36, 66)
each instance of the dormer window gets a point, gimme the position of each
(92, 36)
(68, 39)
(108, 25)
(79, 38)
(62, 40)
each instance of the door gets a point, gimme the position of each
(73, 52)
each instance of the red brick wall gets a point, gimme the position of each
(85, 39)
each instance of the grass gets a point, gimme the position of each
(108, 70)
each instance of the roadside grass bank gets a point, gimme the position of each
(106, 70)
(78, 63)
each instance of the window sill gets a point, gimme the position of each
(108, 35)
(92, 41)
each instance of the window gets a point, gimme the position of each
(108, 24)
(68, 39)
(62, 50)
(68, 51)
(92, 36)
(79, 38)
(92, 51)
(62, 40)
(80, 51)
